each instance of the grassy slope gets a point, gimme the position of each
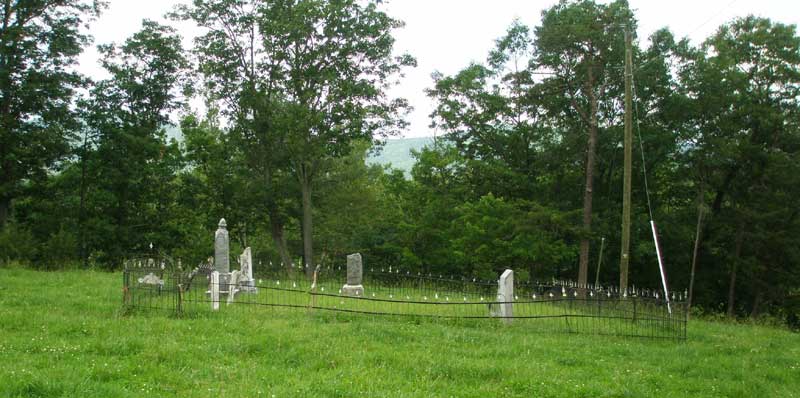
(61, 334)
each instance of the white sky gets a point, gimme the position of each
(446, 35)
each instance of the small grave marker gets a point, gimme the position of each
(353, 286)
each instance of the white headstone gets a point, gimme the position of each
(236, 278)
(246, 260)
(246, 281)
(505, 295)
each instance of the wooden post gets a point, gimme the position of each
(215, 291)
(626, 190)
(313, 291)
(179, 307)
(126, 292)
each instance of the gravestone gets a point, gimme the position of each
(221, 254)
(246, 281)
(505, 295)
(221, 248)
(354, 276)
(236, 278)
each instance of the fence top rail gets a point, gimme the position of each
(455, 301)
(398, 275)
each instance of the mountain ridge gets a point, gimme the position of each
(397, 153)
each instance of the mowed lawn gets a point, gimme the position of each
(63, 334)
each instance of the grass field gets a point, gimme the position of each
(62, 334)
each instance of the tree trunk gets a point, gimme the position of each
(82, 204)
(280, 241)
(583, 268)
(5, 207)
(736, 260)
(757, 303)
(308, 250)
(697, 237)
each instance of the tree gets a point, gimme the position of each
(303, 80)
(39, 43)
(492, 116)
(334, 62)
(133, 165)
(238, 77)
(582, 44)
(745, 81)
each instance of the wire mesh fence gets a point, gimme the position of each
(556, 306)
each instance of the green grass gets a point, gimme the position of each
(63, 334)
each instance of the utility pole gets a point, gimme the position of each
(626, 190)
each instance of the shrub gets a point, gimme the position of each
(17, 244)
(59, 250)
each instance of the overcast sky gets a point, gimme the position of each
(446, 35)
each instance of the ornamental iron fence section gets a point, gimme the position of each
(159, 283)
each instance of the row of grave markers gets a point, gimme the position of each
(223, 281)
(230, 283)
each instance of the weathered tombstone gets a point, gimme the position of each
(246, 261)
(221, 248)
(246, 281)
(354, 275)
(505, 295)
(222, 254)
(236, 278)
(215, 290)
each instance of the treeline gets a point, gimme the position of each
(527, 173)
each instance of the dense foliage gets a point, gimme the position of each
(527, 175)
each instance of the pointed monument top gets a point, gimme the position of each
(222, 223)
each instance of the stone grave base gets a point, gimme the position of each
(353, 290)
(248, 287)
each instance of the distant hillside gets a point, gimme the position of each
(397, 153)
(174, 132)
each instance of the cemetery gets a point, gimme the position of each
(560, 306)
(369, 198)
(67, 334)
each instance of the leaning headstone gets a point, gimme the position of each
(236, 278)
(215, 290)
(354, 275)
(505, 295)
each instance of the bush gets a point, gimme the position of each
(792, 309)
(59, 250)
(17, 245)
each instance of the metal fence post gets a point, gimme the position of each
(126, 290)
(179, 292)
